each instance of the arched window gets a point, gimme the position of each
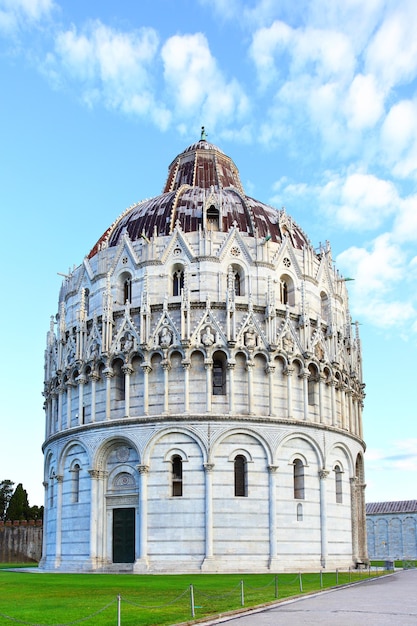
(76, 482)
(219, 375)
(241, 484)
(324, 302)
(298, 479)
(283, 291)
(299, 512)
(177, 281)
(213, 218)
(286, 290)
(237, 284)
(236, 280)
(338, 484)
(127, 290)
(176, 475)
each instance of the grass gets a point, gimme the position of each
(51, 599)
(402, 563)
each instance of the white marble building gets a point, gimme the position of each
(203, 391)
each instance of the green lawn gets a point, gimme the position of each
(47, 599)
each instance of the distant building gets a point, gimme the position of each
(392, 529)
(203, 391)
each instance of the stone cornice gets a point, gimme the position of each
(241, 420)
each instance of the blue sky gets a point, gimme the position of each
(315, 101)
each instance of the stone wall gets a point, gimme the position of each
(392, 536)
(20, 542)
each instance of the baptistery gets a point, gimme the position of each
(203, 391)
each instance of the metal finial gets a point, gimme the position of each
(203, 134)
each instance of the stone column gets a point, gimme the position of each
(61, 391)
(345, 416)
(208, 364)
(351, 424)
(270, 369)
(323, 474)
(69, 403)
(166, 367)
(249, 366)
(333, 401)
(141, 563)
(58, 537)
(322, 378)
(54, 412)
(94, 377)
(146, 368)
(81, 381)
(127, 370)
(208, 467)
(108, 373)
(362, 538)
(304, 375)
(354, 513)
(98, 551)
(272, 516)
(289, 370)
(231, 372)
(102, 533)
(186, 365)
(47, 407)
(359, 415)
(94, 522)
(354, 414)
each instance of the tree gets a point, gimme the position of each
(6, 490)
(18, 508)
(35, 513)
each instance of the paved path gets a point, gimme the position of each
(386, 601)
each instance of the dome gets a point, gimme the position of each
(202, 174)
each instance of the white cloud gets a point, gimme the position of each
(266, 44)
(225, 9)
(383, 266)
(197, 87)
(336, 84)
(399, 138)
(249, 13)
(392, 54)
(312, 74)
(375, 270)
(401, 455)
(113, 67)
(405, 225)
(364, 104)
(378, 293)
(359, 200)
(353, 200)
(322, 55)
(344, 17)
(15, 14)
